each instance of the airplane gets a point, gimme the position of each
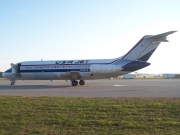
(88, 69)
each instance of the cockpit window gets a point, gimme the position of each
(9, 70)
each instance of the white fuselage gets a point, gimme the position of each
(58, 70)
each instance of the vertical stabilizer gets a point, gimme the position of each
(143, 50)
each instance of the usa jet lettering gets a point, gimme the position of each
(72, 62)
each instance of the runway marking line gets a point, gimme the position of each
(119, 85)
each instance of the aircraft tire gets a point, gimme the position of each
(12, 82)
(74, 83)
(81, 82)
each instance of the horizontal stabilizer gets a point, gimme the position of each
(160, 37)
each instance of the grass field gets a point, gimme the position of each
(111, 116)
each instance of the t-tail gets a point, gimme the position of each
(81, 70)
(143, 50)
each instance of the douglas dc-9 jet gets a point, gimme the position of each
(87, 69)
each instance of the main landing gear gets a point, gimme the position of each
(12, 82)
(75, 83)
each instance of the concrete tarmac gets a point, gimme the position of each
(168, 88)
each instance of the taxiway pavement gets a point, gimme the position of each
(168, 88)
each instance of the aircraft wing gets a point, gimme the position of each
(160, 37)
(73, 75)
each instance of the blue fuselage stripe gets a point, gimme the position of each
(51, 70)
(55, 70)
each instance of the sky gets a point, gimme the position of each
(87, 29)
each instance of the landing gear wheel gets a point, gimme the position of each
(74, 83)
(81, 82)
(12, 82)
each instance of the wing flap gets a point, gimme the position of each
(72, 75)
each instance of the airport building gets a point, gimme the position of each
(127, 76)
(170, 75)
(145, 75)
(137, 75)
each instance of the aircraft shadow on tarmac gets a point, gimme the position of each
(31, 87)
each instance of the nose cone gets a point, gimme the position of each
(6, 73)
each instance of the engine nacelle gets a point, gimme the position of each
(102, 68)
